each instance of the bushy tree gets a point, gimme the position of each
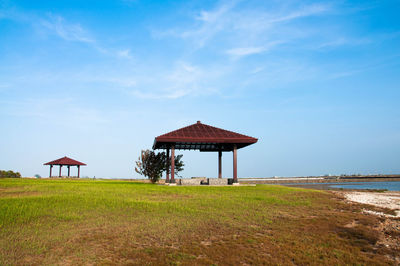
(178, 164)
(9, 174)
(152, 164)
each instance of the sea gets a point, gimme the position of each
(387, 185)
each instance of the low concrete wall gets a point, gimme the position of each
(63, 176)
(189, 182)
(218, 181)
(198, 181)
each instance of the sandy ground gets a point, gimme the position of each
(389, 225)
(390, 200)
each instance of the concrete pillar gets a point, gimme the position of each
(68, 170)
(235, 180)
(219, 164)
(51, 167)
(167, 162)
(60, 171)
(172, 164)
(78, 170)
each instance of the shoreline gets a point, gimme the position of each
(386, 200)
(386, 206)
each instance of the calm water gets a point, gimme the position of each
(389, 185)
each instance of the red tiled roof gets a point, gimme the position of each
(64, 161)
(202, 133)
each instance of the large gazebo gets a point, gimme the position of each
(65, 161)
(206, 139)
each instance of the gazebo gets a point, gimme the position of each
(64, 161)
(206, 139)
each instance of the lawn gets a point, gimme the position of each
(122, 222)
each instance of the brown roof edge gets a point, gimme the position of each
(64, 161)
(202, 133)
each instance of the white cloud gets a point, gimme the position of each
(75, 32)
(126, 53)
(184, 80)
(250, 27)
(257, 70)
(306, 11)
(245, 51)
(62, 28)
(242, 51)
(217, 14)
(65, 30)
(229, 30)
(212, 23)
(240, 29)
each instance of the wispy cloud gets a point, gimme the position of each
(341, 41)
(65, 30)
(245, 51)
(61, 27)
(242, 39)
(212, 22)
(70, 31)
(237, 24)
(242, 51)
(240, 30)
(125, 53)
(184, 79)
(306, 11)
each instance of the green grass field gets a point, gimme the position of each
(121, 222)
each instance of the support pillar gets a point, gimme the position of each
(219, 164)
(60, 171)
(167, 162)
(51, 167)
(235, 180)
(68, 170)
(172, 164)
(78, 170)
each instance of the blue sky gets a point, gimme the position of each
(316, 82)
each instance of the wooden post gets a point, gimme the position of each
(51, 167)
(167, 162)
(219, 164)
(78, 171)
(60, 171)
(68, 170)
(172, 164)
(235, 180)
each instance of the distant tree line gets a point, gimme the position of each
(9, 174)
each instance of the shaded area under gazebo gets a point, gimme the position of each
(67, 162)
(206, 139)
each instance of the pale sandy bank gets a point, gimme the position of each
(390, 200)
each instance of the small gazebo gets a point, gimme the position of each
(206, 139)
(65, 161)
